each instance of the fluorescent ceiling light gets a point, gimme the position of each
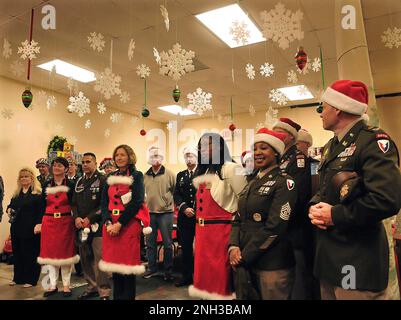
(69, 70)
(220, 20)
(297, 93)
(175, 109)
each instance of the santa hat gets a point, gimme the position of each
(155, 151)
(245, 156)
(42, 161)
(288, 125)
(190, 149)
(272, 138)
(305, 136)
(144, 217)
(106, 162)
(348, 96)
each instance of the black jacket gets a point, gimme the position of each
(184, 192)
(260, 227)
(29, 207)
(373, 193)
(1, 197)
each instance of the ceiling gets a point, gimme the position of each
(141, 20)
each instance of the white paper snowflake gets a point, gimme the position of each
(292, 77)
(282, 25)
(271, 117)
(302, 91)
(41, 97)
(17, 68)
(131, 48)
(165, 17)
(73, 140)
(28, 50)
(169, 125)
(392, 38)
(7, 113)
(199, 101)
(107, 133)
(125, 97)
(240, 32)
(101, 108)
(58, 129)
(108, 83)
(252, 110)
(116, 117)
(134, 120)
(143, 71)
(51, 102)
(250, 71)
(156, 54)
(96, 41)
(278, 97)
(7, 50)
(177, 62)
(88, 124)
(79, 104)
(316, 65)
(305, 69)
(266, 69)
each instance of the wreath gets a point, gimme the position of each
(56, 144)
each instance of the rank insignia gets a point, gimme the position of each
(257, 217)
(344, 191)
(285, 212)
(384, 145)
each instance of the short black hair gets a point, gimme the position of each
(90, 154)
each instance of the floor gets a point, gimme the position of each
(147, 289)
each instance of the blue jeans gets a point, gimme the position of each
(164, 222)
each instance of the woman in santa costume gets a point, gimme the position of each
(219, 181)
(124, 212)
(57, 229)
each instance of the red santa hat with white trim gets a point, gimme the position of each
(305, 136)
(245, 156)
(144, 217)
(272, 138)
(349, 96)
(289, 126)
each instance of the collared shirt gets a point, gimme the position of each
(344, 132)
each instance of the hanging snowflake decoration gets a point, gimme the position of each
(107, 133)
(41, 97)
(88, 124)
(252, 110)
(156, 54)
(7, 51)
(101, 108)
(169, 125)
(7, 113)
(79, 104)
(278, 97)
(131, 48)
(250, 71)
(306, 68)
(134, 120)
(266, 70)
(165, 17)
(282, 25)
(292, 77)
(108, 84)
(17, 68)
(116, 117)
(271, 117)
(125, 97)
(316, 65)
(143, 71)
(302, 91)
(177, 62)
(199, 101)
(51, 102)
(96, 41)
(28, 50)
(392, 38)
(240, 32)
(73, 140)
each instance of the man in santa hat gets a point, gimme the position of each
(360, 185)
(184, 199)
(295, 163)
(247, 162)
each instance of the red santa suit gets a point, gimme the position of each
(216, 203)
(58, 231)
(121, 253)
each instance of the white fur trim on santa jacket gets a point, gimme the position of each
(120, 180)
(57, 189)
(225, 192)
(59, 262)
(121, 268)
(202, 294)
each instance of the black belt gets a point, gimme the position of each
(57, 215)
(202, 222)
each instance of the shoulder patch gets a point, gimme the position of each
(301, 163)
(382, 136)
(290, 184)
(384, 145)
